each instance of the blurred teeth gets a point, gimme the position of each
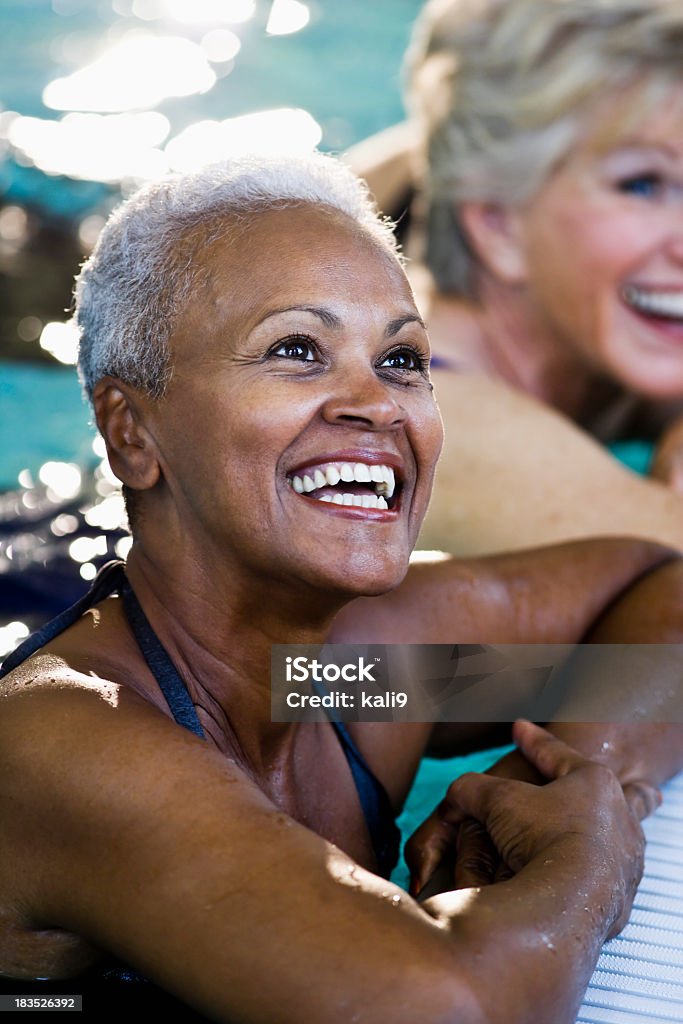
(360, 472)
(669, 304)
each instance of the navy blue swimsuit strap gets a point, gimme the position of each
(106, 582)
(379, 814)
(159, 663)
(376, 805)
(111, 579)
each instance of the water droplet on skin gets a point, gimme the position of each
(395, 899)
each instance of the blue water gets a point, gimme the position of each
(431, 783)
(344, 68)
(42, 418)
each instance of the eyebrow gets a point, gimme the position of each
(331, 319)
(631, 143)
(394, 326)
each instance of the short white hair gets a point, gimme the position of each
(143, 270)
(503, 87)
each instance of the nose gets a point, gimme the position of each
(675, 247)
(364, 400)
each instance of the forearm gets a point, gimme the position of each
(545, 595)
(541, 957)
(630, 689)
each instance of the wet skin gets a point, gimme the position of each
(258, 833)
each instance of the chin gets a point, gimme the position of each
(360, 582)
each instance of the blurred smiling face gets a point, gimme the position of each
(603, 247)
(299, 434)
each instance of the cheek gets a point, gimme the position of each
(429, 436)
(585, 244)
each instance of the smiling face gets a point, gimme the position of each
(299, 434)
(603, 249)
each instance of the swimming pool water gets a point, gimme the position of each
(431, 782)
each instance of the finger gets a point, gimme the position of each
(477, 859)
(643, 798)
(503, 873)
(470, 796)
(431, 843)
(551, 756)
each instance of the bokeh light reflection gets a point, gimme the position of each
(286, 17)
(11, 635)
(61, 341)
(269, 131)
(84, 549)
(13, 224)
(196, 12)
(94, 147)
(62, 478)
(220, 45)
(136, 73)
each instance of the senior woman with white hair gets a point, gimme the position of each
(259, 372)
(546, 231)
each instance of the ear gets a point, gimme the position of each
(495, 234)
(119, 412)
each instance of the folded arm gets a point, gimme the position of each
(122, 828)
(622, 707)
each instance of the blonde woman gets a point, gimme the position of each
(545, 153)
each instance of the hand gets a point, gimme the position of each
(521, 820)
(667, 464)
(477, 861)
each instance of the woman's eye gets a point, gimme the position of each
(405, 359)
(301, 349)
(646, 186)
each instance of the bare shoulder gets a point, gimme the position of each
(47, 710)
(533, 478)
(103, 796)
(126, 832)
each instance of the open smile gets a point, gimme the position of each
(362, 485)
(663, 304)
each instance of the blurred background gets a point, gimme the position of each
(97, 96)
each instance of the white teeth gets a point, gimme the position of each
(326, 497)
(318, 478)
(356, 500)
(669, 304)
